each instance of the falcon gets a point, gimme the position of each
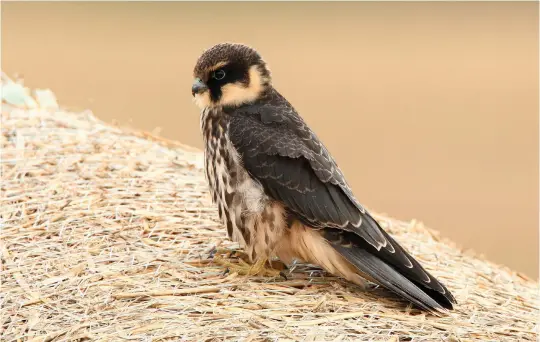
(278, 190)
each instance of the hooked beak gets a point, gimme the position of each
(198, 87)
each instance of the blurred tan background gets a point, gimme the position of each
(431, 109)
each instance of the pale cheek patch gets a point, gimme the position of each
(237, 93)
(202, 100)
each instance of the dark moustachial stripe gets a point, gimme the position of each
(234, 73)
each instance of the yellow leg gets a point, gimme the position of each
(261, 267)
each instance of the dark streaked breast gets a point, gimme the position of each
(225, 175)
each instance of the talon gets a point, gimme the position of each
(260, 268)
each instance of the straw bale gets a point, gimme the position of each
(106, 235)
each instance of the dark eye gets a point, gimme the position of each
(219, 74)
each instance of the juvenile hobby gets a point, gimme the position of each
(278, 190)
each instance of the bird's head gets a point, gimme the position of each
(229, 74)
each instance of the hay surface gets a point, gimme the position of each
(106, 234)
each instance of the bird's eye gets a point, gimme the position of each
(219, 74)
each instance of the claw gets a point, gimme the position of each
(244, 265)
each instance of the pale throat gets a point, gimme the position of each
(234, 94)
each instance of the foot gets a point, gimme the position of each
(238, 262)
(229, 253)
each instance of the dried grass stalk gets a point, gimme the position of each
(106, 235)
